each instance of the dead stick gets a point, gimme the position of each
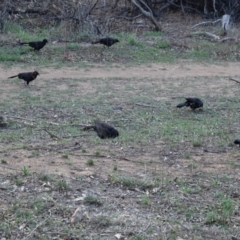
(144, 105)
(52, 135)
(232, 79)
(31, 120)
(30, 234)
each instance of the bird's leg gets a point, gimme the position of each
(102, 50)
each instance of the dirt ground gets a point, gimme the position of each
(180, 191)
(154, 70)
(54, 163)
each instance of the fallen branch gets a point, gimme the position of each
(208, 34)
(31, 120)
(234, 80)
(206, 23)
(9, 167)
(30, 234)
(215, 151)
(27, 11)
(52, 135)
(228, 39)
(143, 105)
(90, 155)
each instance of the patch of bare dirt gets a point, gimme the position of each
(161, 71)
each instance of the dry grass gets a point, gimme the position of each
(172, 173)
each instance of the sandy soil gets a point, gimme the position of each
(181, 69)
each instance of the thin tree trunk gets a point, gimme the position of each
(148, 14)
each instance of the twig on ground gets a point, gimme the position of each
(38, 225)
(232, 79)
(144, 105)
(206, 23)
(126, 159)
(89, 155)
(52, 135)
(207, 34)
(228, 39)
(31, 120)
(5, 166)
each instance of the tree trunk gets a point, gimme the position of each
(148, 14)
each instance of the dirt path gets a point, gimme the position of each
(159, 70)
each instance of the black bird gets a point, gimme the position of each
(103, 130)
(27, 76)
(193, 103)
(106, 41)
(237, 141)
(36, 45)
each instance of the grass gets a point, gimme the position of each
(153, 34)
(90, 162)
(101, 221)
(25, 171)
(165, 169)
(62, 185)
(65, 155)
(129, 182)
(45, 177)
(132, 49)
(145, 200)
(92, 200)
(221, 212)
(3, 161)
(175, 127)
(212, 208)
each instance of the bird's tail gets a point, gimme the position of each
(95, 42)
(13, 76)
(23, 43)
(88, 128)
(237, 141)
(182, 105)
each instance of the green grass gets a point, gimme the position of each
(221, 212)
(130, 182)
(145, 200)
(4, 161)
(25, 171)
(163, 122)
(11, 54)
(132, 40)
(135, 49)
(162, 44)
(65, 155)
(198, 55)
(45, 177)
(153, 34)
(62, 185)
(73, 46)
(92, 200)
(101, 221)
(157, 164)
(90, 162)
